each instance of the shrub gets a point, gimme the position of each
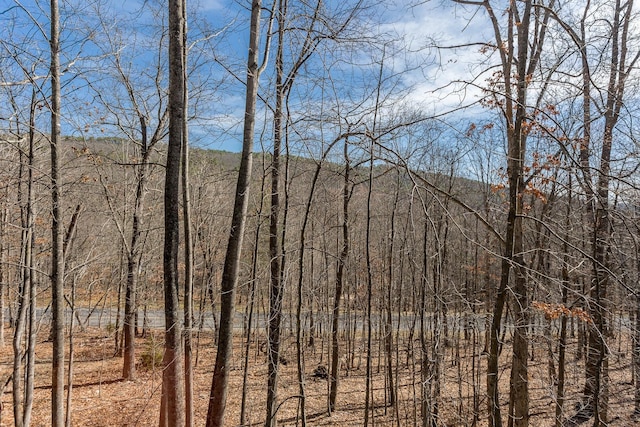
(151, 357)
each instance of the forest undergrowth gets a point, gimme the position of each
(101, 398)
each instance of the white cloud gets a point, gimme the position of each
(446, 36)
(210, 5)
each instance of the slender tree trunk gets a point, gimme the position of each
(519, 381)
(218, 396)
(368, 384)
(29, 383)
(425, 366)
(636, 350)
(251, 302)
(307, 212)
(438, 323)
(117, 347)
(596, 363)
(388, 328)
(188, 236)
(516, 53)
(276, 284)
(368, 257)
(57, 230)
(562, 342)
(172, 412)
(22, 377)
(299, 333)
(20, 321)
(133, 262)
(342, 258)
(68, 418)
(3, 259)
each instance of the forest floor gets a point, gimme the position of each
(101, 398)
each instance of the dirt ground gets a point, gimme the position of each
(101, 398)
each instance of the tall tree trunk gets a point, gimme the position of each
(4, 215)
(24, 362)
(188, 235)
(172, 412)
(22, 299)
(519, 381)
(636, 348)
(251, 302)
(218, 396)
(562, 343)
(388, 325)
(57, 230)
(30, 369)
(596, 382)
(425, 365)
(276, 284)
(368, 380)
(515, 84)
(337, 296)
(368, 257)
(307, 213)
(133, 260)
(68, 417)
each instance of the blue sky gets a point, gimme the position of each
(420, 76)
(422, 71)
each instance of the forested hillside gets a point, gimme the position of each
(319, 213)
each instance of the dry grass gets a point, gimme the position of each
(101, 398)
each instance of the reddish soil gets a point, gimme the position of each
(101, 398)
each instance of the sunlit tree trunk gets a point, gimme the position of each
(57, 230)
(275, 263)
(4, 215)
(24, 288)
(172, 412)
(188, 237)
(219, 387)
(636, 347)
(516, 53)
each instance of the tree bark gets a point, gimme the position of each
(251, 302)
(276, 285)
(388, 324)
(172, 412)
(516, 52)
(57, 230)
(133, 261)
(334, 334)
(3, 259)
(636, 350)
(595, 390)
(188, 235)
(218, 395)
(337, 296)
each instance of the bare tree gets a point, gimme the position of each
(57, 229)
(219, 385)
(188, 235)
(347, 191)
(25, 322)
(596, 181)
(172, 412)
(312, 28)
(596, 383)
(519, 49)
